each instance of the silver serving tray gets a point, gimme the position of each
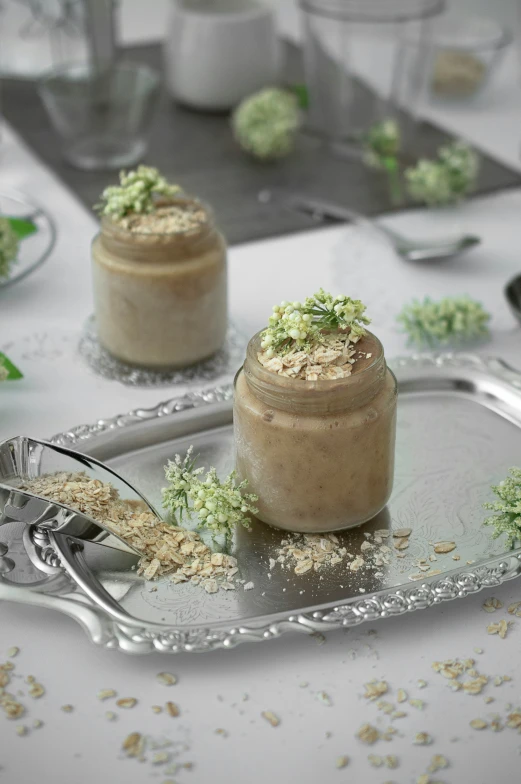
(459, 430)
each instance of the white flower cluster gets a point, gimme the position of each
(219, 505)
(266, 124)
(300, 324)
(8, 247)
(136, 193)
(451, 320)
(507, 517)
(446, 180)
(288, 318)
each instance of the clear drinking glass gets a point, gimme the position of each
(102, 115)
(355, 60)
(464, 54)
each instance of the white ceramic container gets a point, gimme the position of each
(217, 52)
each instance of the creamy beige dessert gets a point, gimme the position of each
(160, 283)
(315, 421)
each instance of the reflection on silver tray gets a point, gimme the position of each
(459, 429)
(225, 362)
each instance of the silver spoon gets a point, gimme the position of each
(513, 295)
(408, 249)
(23, 459)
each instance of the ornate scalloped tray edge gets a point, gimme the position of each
(137, 638)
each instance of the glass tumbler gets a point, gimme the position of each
(101, 115)
(355, 54)
(465, 53)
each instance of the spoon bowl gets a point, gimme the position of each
(408, 249)
(513, 296)
(24, 459)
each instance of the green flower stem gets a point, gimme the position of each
(390, 164)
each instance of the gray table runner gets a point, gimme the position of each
(198, 151)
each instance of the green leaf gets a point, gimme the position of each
(22, 228)
(302, 93)
(12, 370)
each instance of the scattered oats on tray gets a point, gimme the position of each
(36, 690)
(126, 702)
(271, 718)
(514, 720)
(422, 739)
(168, 550)
(444, 547)
(492, 604)
(375, 689)
(368, 734)
(106, 694)
(166, 678)
(501, 628)
(324, 698)
(401, 695)
(134, 744)
(438, 762)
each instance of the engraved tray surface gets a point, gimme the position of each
(459, 430)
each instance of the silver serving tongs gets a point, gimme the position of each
(23, 459)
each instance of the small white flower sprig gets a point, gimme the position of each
(219, 505)
(9, 244)
(450, 320)
(446, 180)
(266, 123)
(301, 324)
(136, 193)
(507, 517)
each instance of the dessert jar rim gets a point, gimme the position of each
(324, 396)
(121, 233)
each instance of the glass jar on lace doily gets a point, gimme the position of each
(161, 295)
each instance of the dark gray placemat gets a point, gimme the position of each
(198, 151)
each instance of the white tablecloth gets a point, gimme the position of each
(41, 320)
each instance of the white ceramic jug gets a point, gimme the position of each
(219, 51)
